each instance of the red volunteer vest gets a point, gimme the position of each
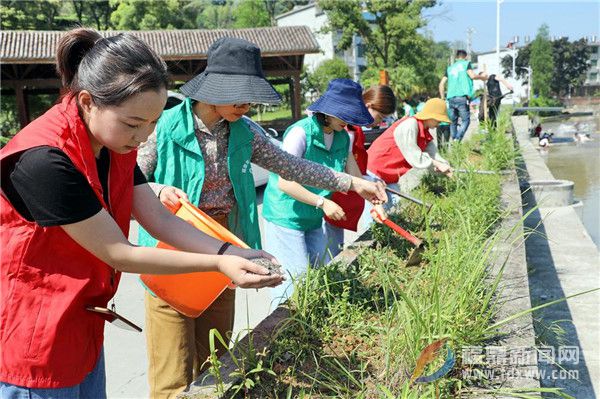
(352, 203)
(47, 337)
(386, 159)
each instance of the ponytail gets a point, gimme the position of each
(381, 98)
(72, 47)
(111, 69)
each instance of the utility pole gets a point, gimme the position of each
(498, 2)
(470, 32)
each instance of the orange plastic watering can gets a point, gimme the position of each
(192, 293)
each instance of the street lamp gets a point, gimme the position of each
(529, 71)
(513, 53)
(498, 2)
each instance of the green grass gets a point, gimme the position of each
(281, 113)
(356, 332)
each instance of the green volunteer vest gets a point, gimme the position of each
(283, 210)
(459, 82)
(181, 164)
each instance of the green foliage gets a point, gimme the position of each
(95, 13)
(542, 64)
(35, 15)
(9, 121)
(327, 70)
(251, 13)
(390, 31)
(141, 15)
(570, 64)
(391, 36)
(157, 14)
(570, 60)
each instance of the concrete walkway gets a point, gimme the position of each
(562, 260)
(125, 351)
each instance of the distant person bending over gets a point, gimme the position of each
(460, 78)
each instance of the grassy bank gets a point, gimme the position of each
(357, 332)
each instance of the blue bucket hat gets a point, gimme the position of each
(343, 100)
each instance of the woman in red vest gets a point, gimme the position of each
(408, 144)
(381, 103)
(70, 184)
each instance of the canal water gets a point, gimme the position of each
(579, 162)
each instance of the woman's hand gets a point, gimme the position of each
(249, 253)
(246, 274)
(169, 196)
(371, 191)
(333, 210)
(443, 168)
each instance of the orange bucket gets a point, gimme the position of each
(192, 293)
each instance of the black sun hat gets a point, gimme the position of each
(233, 75)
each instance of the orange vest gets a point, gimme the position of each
(48, 338)
(385, 158)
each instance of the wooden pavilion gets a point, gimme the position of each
(27, 58)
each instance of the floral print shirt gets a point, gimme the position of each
(217, 193)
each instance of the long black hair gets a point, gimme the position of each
(111, 69)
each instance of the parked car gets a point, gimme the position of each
(261, 176)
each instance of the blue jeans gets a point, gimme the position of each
(295, 250)
(92, 387)
(335, 239)
(459, 107)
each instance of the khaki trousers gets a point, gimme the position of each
(178, 345)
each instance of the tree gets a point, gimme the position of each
(570, 64)
(156, 14)
(276, 7)
(542, 64)
(327, 70)
(94, 13)
(36, 15)
(570, 60)
(251, 13)
(216, 15)
(388, 28)
(390, 31)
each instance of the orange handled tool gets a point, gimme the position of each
(414, 258)
(382, 218)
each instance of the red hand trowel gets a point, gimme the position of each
(414, 257)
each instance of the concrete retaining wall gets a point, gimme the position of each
(563, 261)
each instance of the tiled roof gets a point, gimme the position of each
(40, 46)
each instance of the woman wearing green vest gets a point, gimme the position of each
(294, 213)
(203, 149)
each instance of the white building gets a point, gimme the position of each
(489, 63)
(315, 18)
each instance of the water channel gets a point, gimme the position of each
(579, 162)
